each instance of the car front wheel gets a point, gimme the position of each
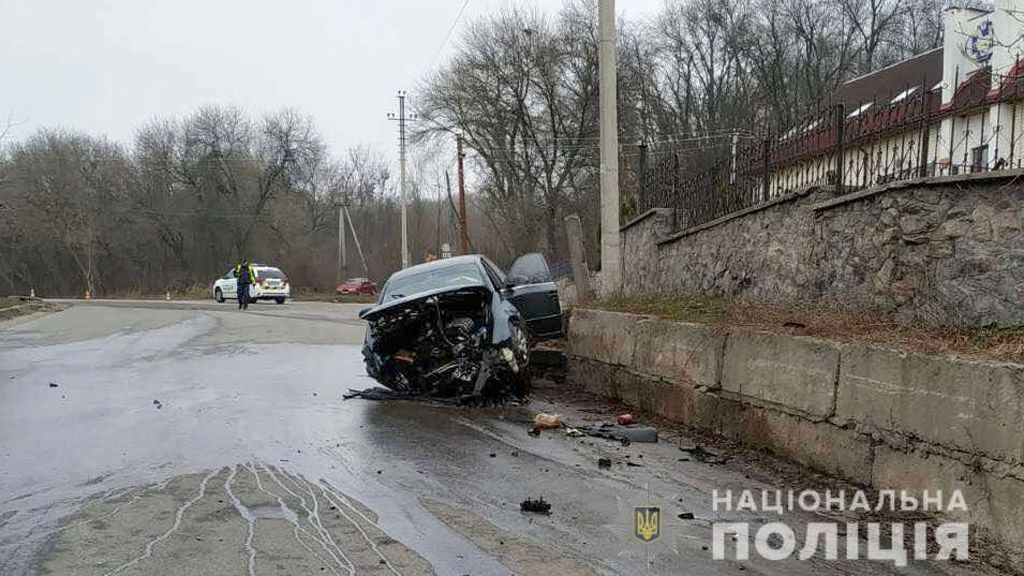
(218, 295)
(520, 380)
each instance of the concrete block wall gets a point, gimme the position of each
(878, 417)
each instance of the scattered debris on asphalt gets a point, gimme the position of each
(378, 393)
(624, 419)
(685, 515)
(604, 462)
(534, 431)
(547, 421)
(700, 454)
(539, 506)
(624, 434)
(52, 384)
(573, 432)
(633, 464)
(158, 404)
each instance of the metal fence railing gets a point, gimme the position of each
(912, 134)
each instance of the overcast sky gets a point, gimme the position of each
(106, 67)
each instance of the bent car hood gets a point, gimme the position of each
(399, 303)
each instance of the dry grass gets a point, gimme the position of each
(14, 306)
(197, 292)
(315, 296)
(1006, 344)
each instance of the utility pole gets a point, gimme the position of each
(401, 118)
(359, 247)
(342, 256)
(611, 258)
(578, 256)
(463, 230)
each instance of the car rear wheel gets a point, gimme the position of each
(218, 295)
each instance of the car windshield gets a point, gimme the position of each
(456, 275)
(269, 273)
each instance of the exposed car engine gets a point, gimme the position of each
(441, 346)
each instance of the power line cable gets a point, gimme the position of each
(448, 35)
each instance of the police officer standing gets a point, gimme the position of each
(245, 277)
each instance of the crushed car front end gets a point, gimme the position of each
(461, 342)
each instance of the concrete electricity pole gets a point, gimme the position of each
(401, 174)
(463, 230)
(359, 247)
(342, 257)
(611, 258)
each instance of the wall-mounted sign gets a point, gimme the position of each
(979, 43)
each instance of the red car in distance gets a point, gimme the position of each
(358, 286)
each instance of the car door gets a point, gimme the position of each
(533, 292)
(230, 283)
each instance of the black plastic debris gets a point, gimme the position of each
(52, 384)
(700, 454)
(385, 395)
(624, 434)
(685, 515)
(158, 404)
(538, 506)
(604, 462)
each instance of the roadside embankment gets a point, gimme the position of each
(14, 306)
(889, 419)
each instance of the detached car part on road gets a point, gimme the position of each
(459, 328)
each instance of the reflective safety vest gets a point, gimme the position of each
(249, 275)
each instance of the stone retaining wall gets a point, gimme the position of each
(938, 250)
(878, 417)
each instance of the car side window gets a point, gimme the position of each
(229, 275)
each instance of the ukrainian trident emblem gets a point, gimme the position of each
(647, 523)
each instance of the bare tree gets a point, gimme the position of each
(875, 21)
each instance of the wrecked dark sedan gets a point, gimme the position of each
(460, 328)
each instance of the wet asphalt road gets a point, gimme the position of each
(189, 438)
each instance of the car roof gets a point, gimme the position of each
(436, 265)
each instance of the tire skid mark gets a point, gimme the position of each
(246, 515)
(369, 541)
(179, 514)
(312, 516)
(296, 527)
